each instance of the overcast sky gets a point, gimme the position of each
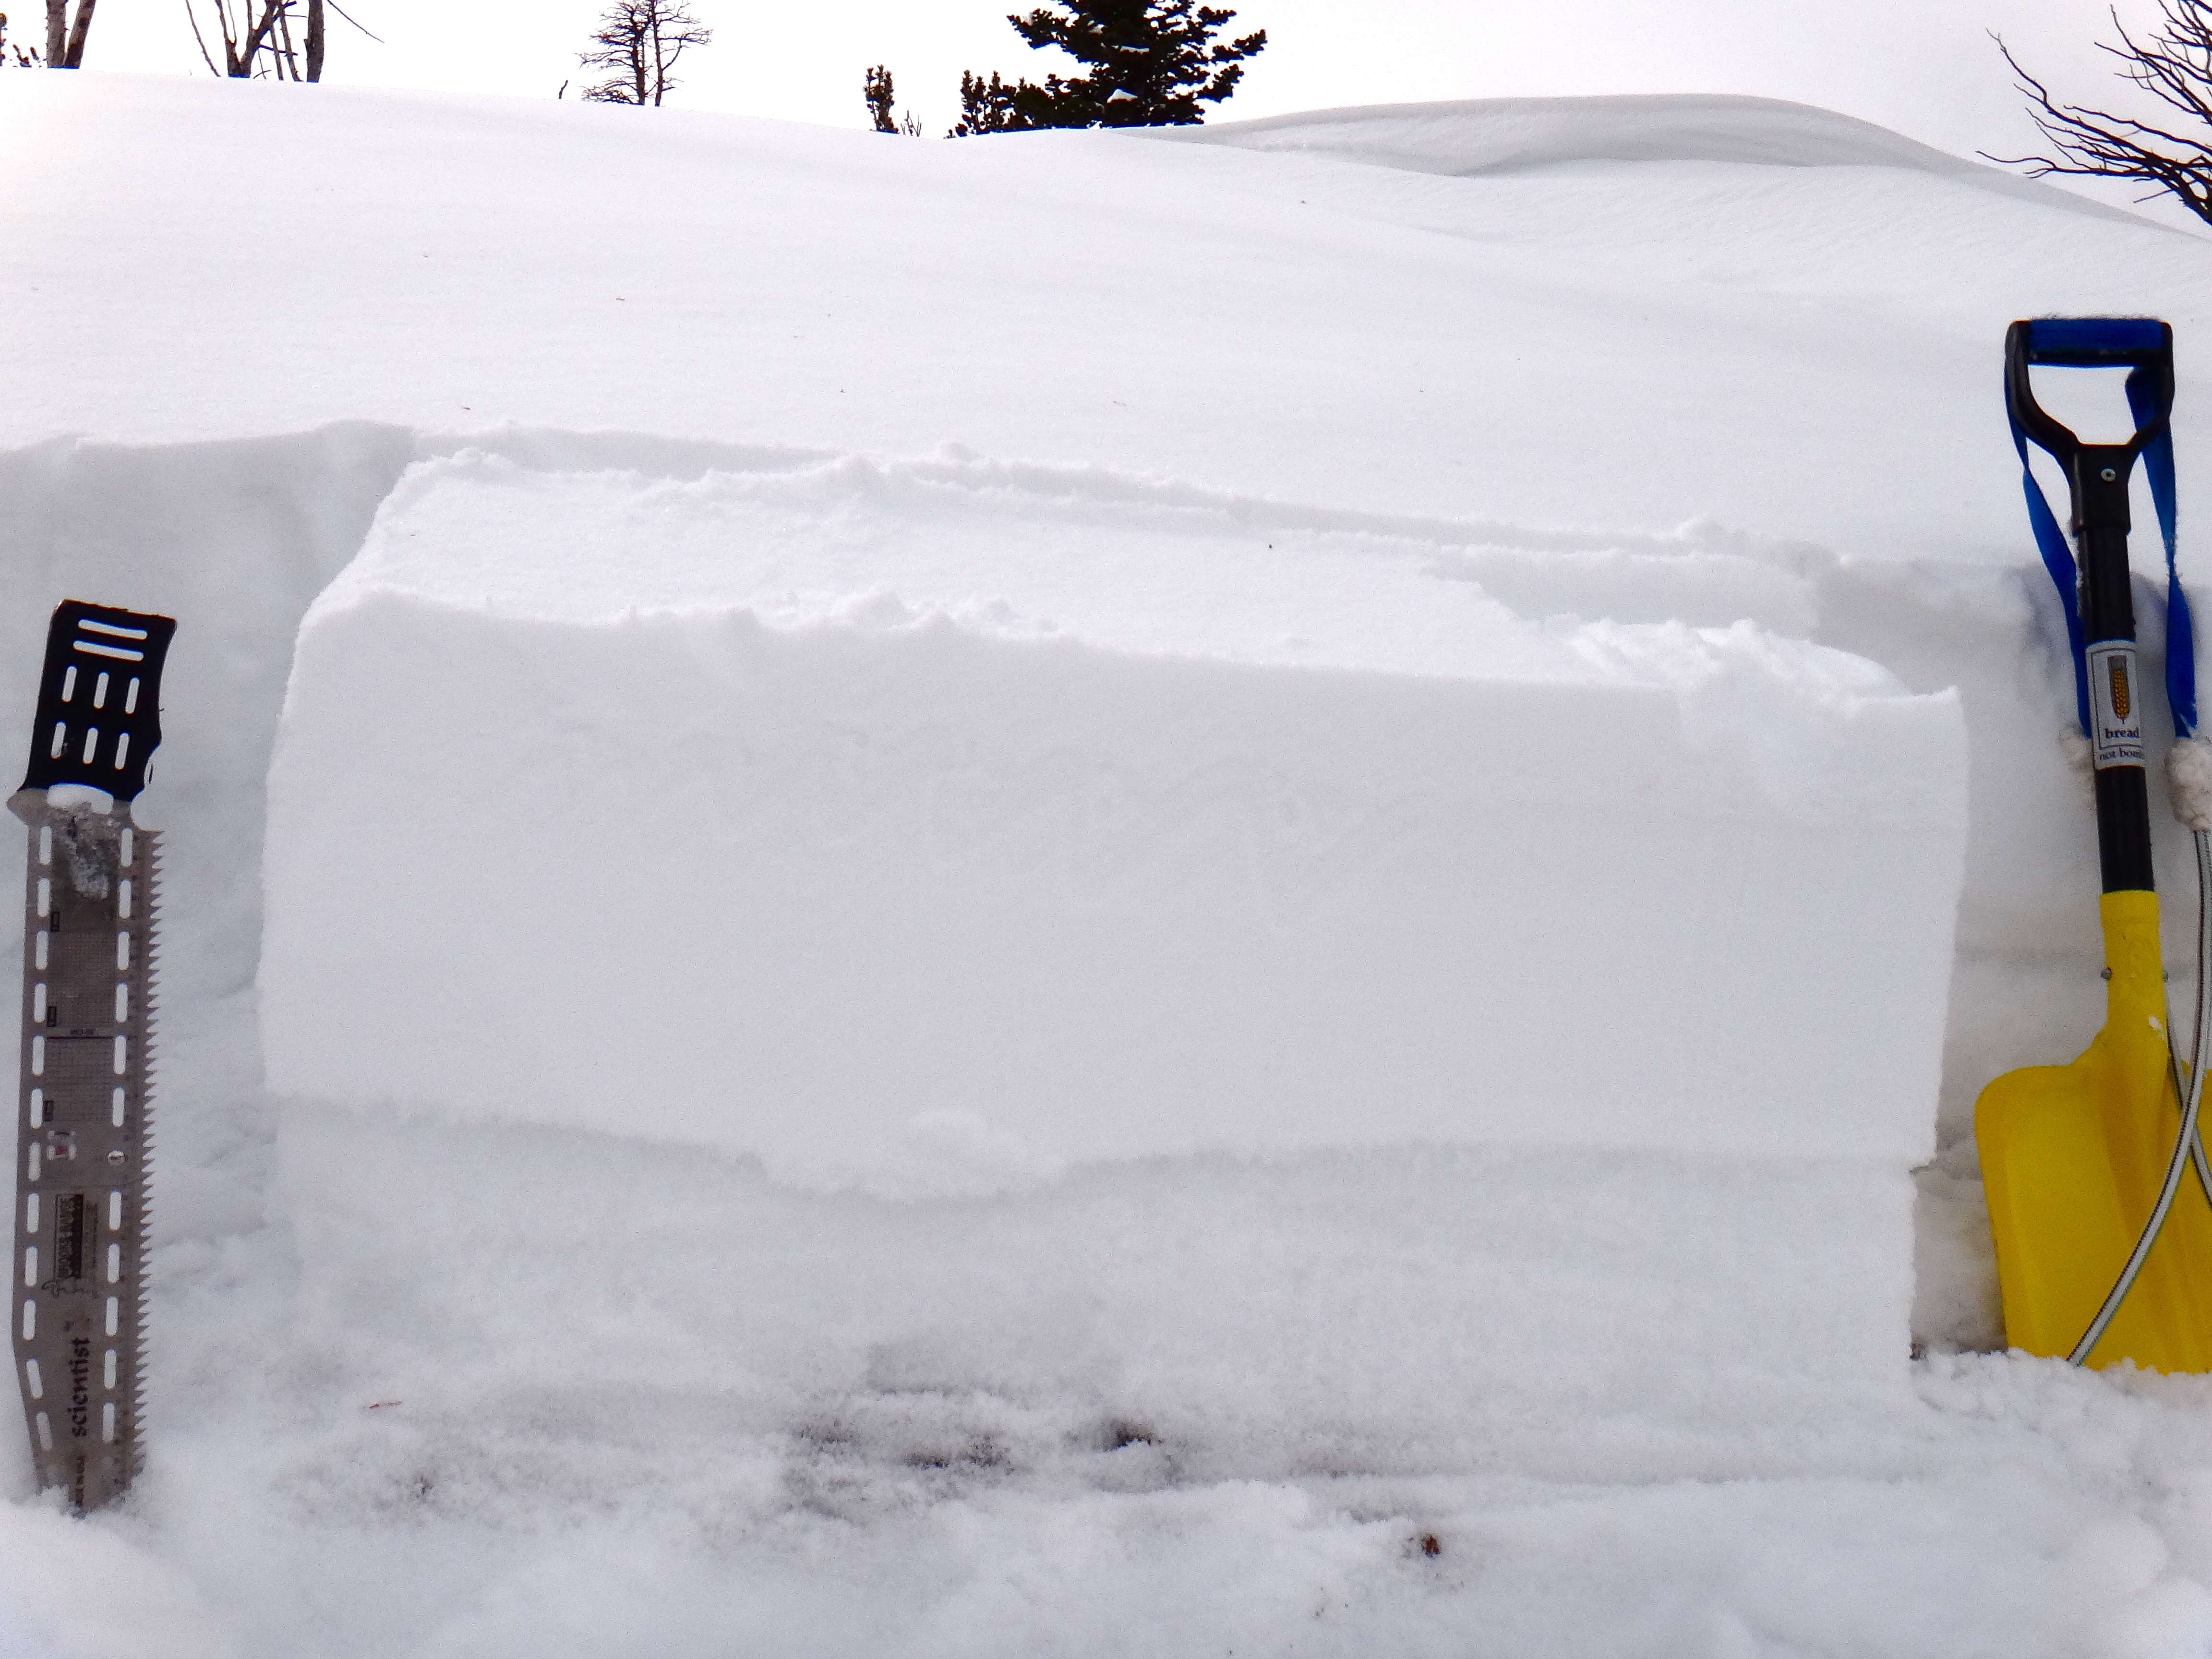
(1923, 67)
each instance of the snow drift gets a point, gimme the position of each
(1463, 139)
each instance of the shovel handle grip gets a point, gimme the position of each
(2143, 345)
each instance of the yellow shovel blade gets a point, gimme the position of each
(2073, 1158)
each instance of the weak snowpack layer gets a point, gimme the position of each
(441, 1386)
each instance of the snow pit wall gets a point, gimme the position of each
(1574, 1315)
(235, 538)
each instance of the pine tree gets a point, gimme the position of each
(881, 95)
(881, 98)
(1153, 63)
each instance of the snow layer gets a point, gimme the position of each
(1798, 352)
(431, 1387)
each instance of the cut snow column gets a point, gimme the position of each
(930, 828)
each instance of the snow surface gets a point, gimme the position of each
(1519, 134)
(1800, 352)
(549, 413)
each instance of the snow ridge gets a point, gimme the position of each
(1474, 137)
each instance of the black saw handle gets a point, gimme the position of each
(99, 699)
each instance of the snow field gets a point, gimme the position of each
(447, 1369)
(1613, 320)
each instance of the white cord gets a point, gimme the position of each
(2197, 1053)
(2189, 1145)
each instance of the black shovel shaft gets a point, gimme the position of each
(2100, 491)
(2124, 829)
(2100, 509)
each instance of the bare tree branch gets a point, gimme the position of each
(65, 37)
(259, 39)
(78, 30)
(2173, 64)
(348, 15)
(640, 41)
(192, 16)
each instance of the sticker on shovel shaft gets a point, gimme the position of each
(2115, 710)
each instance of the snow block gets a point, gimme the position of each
(929, 828)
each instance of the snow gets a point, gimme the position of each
(1496, 136)
(784, 605)
(1801, 353)
(1204, 834)
(2189, 781)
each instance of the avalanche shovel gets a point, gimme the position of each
(2104, 1251)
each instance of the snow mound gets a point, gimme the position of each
(1467, 138)
(1461, 137)
(884, 843)
(1801, 352)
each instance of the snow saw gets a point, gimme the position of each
(89, 906)
(2103, 1254)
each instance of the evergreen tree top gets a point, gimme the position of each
(1153, 63)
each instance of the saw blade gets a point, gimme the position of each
(88, 933)
(83, 1133)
